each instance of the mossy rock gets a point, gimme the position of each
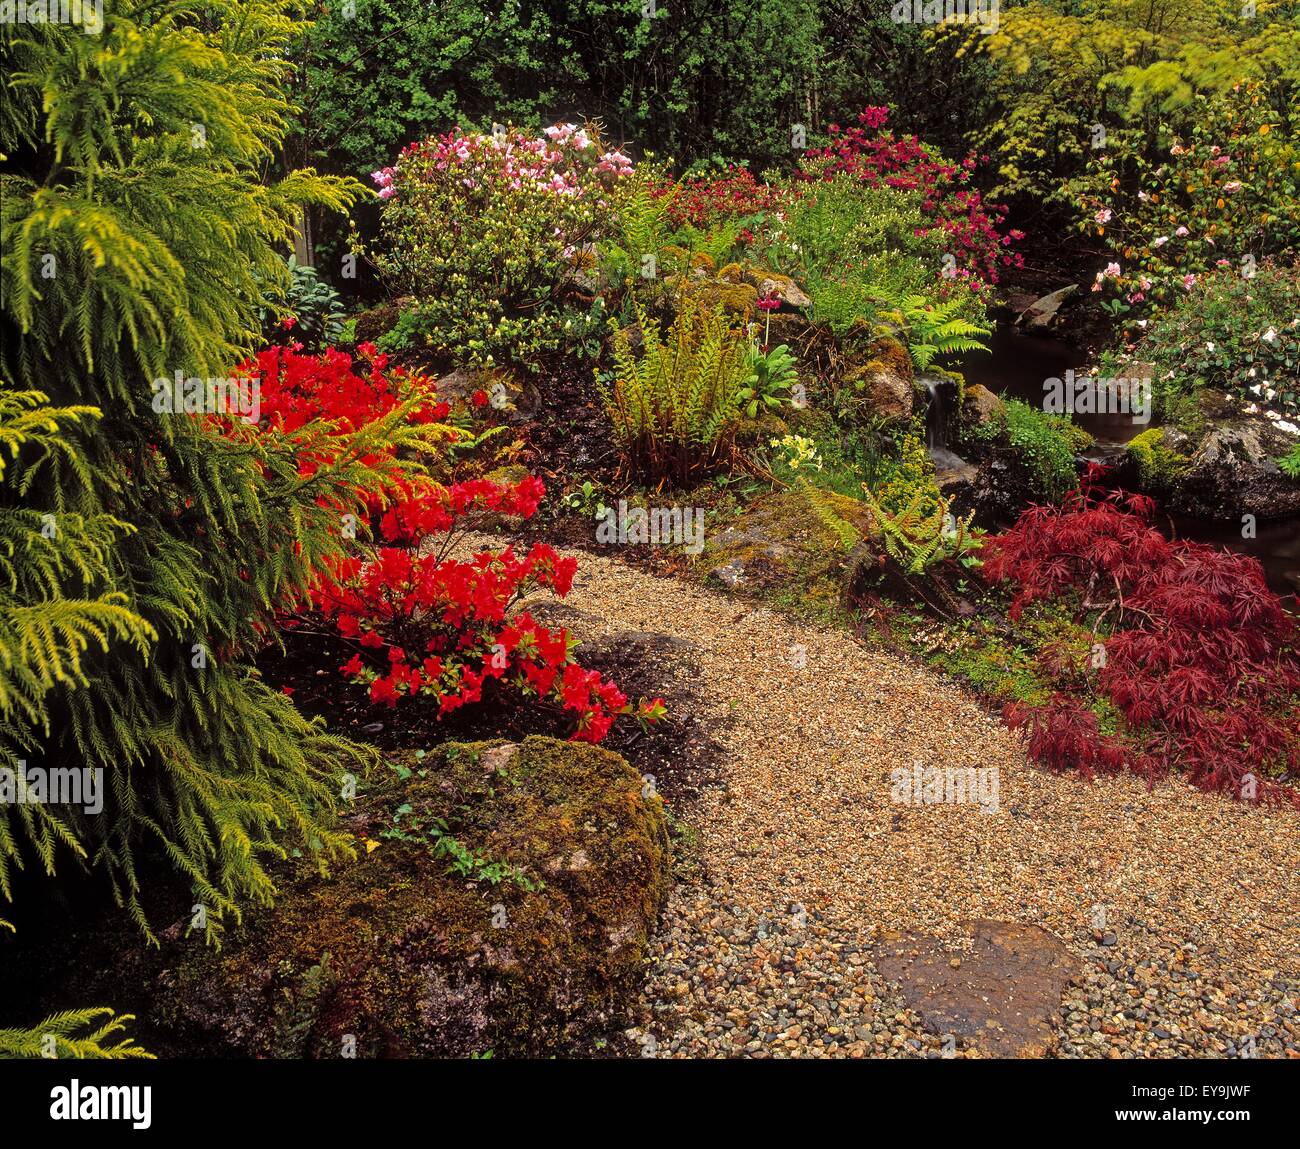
(370, 325)
(784, 550)
(733, 298)
(756, 434)
(1157, 460)
(403, 958)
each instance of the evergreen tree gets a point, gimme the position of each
(144, 555)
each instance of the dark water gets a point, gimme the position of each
(1276, 546)
(1018, 365)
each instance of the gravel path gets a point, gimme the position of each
(1181, 909)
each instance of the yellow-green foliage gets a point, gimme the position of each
(1158, 465)
(641, 223)
(143, 558)
(912, 480)
(674, 401)
(917, 539)
(78, 1033)
(1060, 68)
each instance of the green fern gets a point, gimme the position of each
(937, 329)
(79, 1033)
(918, 539)
(675, 402)
(1290, 463)
(820, 502)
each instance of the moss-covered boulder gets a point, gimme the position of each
(875, 382)
(1159, 459)
(502, 899)
(1233, 471)
(790, 548)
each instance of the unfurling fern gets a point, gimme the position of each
(78, 1033)
(936, 329)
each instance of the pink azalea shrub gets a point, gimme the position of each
(486, 231)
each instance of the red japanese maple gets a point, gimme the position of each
(1201, 659)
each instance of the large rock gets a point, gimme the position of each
(878, 386)
(979, 405)
(533, 950)
(1045, 313)
(790, 548)
(1234, 471)
(770, 285)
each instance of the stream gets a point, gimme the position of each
(1018, 365)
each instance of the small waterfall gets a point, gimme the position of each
(936, 417)
(942, 393)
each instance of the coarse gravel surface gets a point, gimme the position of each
(1181, 908)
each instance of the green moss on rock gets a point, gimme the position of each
(783, 550)
(1159, 466)
(410, 960)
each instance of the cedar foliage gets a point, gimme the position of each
(143, 556)
(78, 1033)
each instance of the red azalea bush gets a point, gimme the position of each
(708, 200)
(425, 624)
(876, 156)
(1201, 662)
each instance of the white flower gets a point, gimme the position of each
(1251, 409)
(1269, 336)
(1209, 347)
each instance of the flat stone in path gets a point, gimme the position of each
(1000, 991)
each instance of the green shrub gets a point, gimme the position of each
(1233, 334)
(486, 232)
(674, 403)
(911, 475)
(79, 1033)
(853, 246)
(1043, 445)
(309, 312)
(144, 553)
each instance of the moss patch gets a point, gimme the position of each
(781, 550)
(412, 960)
(1159, 466)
